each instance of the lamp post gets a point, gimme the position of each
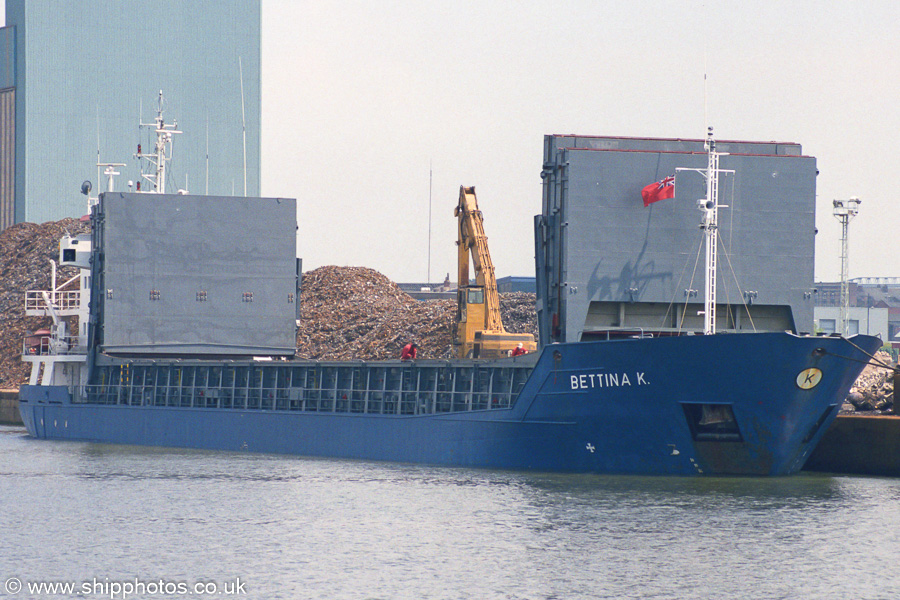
(844, 210)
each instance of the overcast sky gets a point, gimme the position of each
(361, 99)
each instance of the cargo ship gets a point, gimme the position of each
(186, 310)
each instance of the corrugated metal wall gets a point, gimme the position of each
(7, 127)
(7, 158)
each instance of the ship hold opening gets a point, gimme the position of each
(712, 422)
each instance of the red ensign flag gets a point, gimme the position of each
(659, 190)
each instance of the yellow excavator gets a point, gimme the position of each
(479, 331)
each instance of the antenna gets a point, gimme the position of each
(98, 156)
(705, 89)
(110, 172)
(428, 276)
(243, 122)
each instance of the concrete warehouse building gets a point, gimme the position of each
(868, 297)
(75, 77)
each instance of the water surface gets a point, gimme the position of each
(289, 527)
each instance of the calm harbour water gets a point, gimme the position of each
(262, 526)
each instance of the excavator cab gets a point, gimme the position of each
(469, 318)
(470, 301)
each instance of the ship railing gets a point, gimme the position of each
(48, 344)
(384, 390)
(331, 401)
(62, 301)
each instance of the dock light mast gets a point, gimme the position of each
(844, 211)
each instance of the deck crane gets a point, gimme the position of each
(479, 331)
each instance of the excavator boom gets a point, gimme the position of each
(479, 331)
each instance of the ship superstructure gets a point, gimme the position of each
(59, 355)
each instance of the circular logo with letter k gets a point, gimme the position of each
(809, 378)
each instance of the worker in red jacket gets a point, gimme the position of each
(409, 352)
(519, 350)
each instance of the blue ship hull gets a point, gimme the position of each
(732, 404)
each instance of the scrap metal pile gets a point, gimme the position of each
(357, 313)
(874, 388)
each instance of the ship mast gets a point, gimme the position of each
(710, 226)
(162, 152)
(709, 206)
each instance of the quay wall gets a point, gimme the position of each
(9, 407)
(859, 445)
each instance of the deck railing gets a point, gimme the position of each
(50, 344)
(364, 388)
(62, 301)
